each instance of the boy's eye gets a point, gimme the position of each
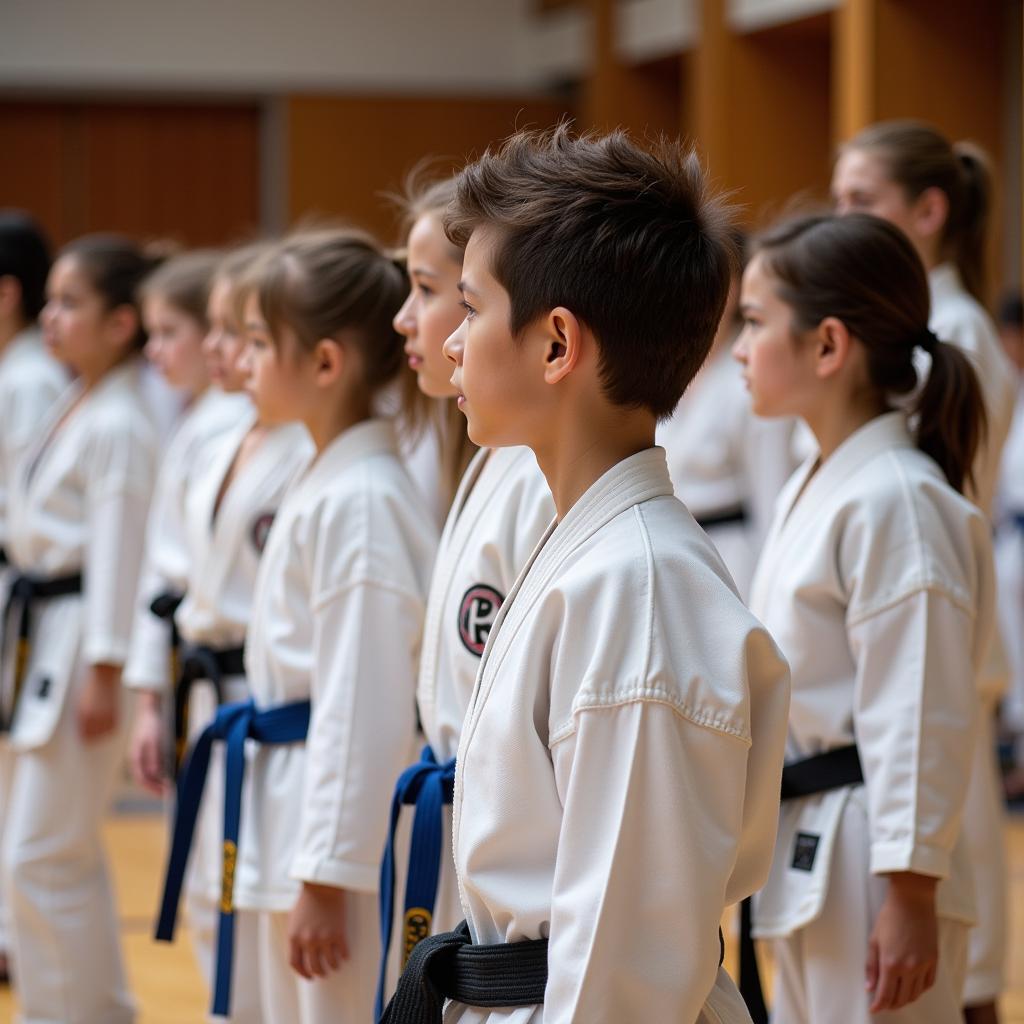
(470, 311)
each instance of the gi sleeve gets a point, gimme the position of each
(362, 730)
(653, 807)
(915, 706)
(148, 665)
(120, 465)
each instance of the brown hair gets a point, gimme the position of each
(917, 157)
(325, 282)
(423, 194)
(115, 267)
(184, 282)
(863, 271)
(630, 239)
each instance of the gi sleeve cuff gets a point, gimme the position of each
(890, 857)
(340, 874)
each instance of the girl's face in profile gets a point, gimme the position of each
(433, 310)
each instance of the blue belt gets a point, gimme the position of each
(429, 786)
(234, 723)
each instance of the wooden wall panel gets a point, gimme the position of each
(189, 172)
(345, 152)
(32, 139)
(762, 109)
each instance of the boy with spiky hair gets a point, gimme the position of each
(619, 768)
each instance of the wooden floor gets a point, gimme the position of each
(170, 991)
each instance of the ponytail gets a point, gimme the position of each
(967, 232)
(950, 414)
(863, 271)
(917, 157)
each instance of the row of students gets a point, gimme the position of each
(597, 671)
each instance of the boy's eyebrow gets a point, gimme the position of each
(465, 286)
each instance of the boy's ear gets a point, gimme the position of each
(832, 346)
(564, 337)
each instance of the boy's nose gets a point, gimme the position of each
(454, 346)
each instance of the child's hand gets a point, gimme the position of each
(146, 750)
(99, 703)
(316, 931)
(903, 951)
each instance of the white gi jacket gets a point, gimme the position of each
(958, 318)
(877, 583)
(502, 509)
(223, 557)
(30, 383)
(337, 618)
(79, 503)
(722, 457)
(165, 568)
(1010, 561)
(608, 793)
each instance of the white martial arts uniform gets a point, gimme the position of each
(877, 582)
(725, 460)
(222, 548)
(1010, 564)
(337, 619)
(30, 383)
(958, 318)
(78, 503)
(165, 568)
(502, 509)
(618, 771)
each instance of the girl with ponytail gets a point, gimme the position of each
(939, 195)
(876, 581)
(77, 519)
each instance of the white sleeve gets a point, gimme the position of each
(120, 481)
(915, 707)
(148, 664)
(653, 808)
(361, 733)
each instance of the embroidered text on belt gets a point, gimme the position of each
(25, 592)
(197, 663)
(450, 966)
(428, 786)
(233, 724)
(822, 773)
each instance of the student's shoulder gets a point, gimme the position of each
(904, 529)
(651, 615)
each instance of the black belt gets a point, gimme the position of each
(450, 966)
(163, 606)
(726, 517)
(3, 556)
(200, 663)
(25, 592)
(819, 774)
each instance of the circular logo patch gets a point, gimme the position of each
(477, 612)
(261, 530)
